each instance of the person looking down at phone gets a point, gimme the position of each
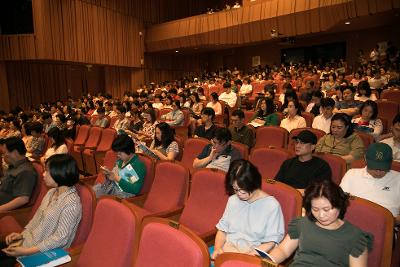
(252, 218)
(219, 154)
(323, 237)
(127, 177)
(56, 220)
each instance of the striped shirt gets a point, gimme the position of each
(55, 223)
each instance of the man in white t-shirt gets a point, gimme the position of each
(323, 121)
(228, 96)
(394, 141)
(376, 182)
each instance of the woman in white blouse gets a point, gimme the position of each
(57, 141)
(293, 119)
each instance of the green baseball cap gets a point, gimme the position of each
(379, 156)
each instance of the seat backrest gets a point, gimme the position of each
(366, 138)
(206, 202)
(93, 119)
(94, 137)
(192, 148)
(359, 213)
(39, 191)
(176, 246)
(82, 135)
(70, 144)
(169, 189)
(288, 197)
(107, 138)
(309, 117)
(111, 241)
(163, 111)
(109, 161)
(181, 143)
(337, 164)
(113, 120)
(88, 202)
(148, 179)
(231, 259)
(391, 94)
(360, 163)
(248, 114)
(387, 109)
(274, 157)
(319, 133)
(271, 136)
(242, 148)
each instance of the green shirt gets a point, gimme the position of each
(322, 247)
(352, 145)
(243, 135)
(271, 120)
(132, 175)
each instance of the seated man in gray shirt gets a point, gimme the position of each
(18, 182)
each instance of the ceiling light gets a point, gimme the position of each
(176, 51)
(347, 22)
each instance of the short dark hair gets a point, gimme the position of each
(214, 96)
(373, 105)
(364, 85)
(245, 174)
(123, 143)
(209, 112)
(63, 169)
(121, 108)
(15, 143)
(36, 126)
(330, 191)
(227, 85)
(346, 120)
(152, 114)
(327, 102)
(239, 113)
(223, 135)
(57, 135)
(318, 94)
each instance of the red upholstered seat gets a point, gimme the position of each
(378, 221)
(88, 201)
(89, 150)
(387, 109)
(168, 192)
(295, 132)
(206, 203)
(360, 163)
(230, 259)
(162, 244)
(107, 138)
(288, 197)
(337, 164)
(271, 136)
(112, 239)
(391, 95)
(148, 179)
(113, 120)
(243, 149)
(309, 117)
(79, 143)
(192, 148)
(269, 160)
(366, 138)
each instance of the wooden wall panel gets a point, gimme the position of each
(4, 99)
(31, 83)
(119, 80)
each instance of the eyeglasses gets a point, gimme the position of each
(239, 191)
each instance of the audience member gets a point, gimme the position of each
(175, 117)
(164, 145)
(293, 119)
(58, 146)
(394, 141)
(376, 182)
(265, 114)
(19, 180)
(215, 104)
(219, 154)
(229, 97)
(368, 121)
(304, 169)
(127, 177)
(239, 131)
(342, 140)
(101, 121)
(207, 128)
(323, 237)
(323, 121)
(252, 218)
(57, 218)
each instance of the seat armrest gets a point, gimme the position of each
(90, 180)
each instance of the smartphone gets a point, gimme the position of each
(264, 254)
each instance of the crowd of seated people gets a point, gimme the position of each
(274, 96)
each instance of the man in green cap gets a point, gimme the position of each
(376, 182)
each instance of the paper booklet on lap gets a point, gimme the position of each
(264, 255)
(48, 258)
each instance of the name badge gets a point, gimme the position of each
(129, 167)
